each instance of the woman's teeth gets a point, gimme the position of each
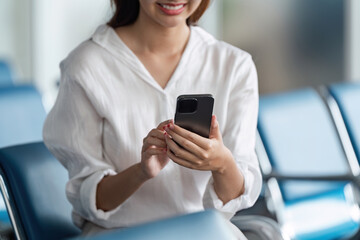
(172, 7)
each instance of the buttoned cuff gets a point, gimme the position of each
(247, 199)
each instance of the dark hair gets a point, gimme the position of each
(127, 11)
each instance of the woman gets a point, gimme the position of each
(111, 125)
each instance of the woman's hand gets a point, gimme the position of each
(193, 151)
(153, 160)
(210, 154)
(153, 153)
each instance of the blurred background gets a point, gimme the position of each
(294, 43)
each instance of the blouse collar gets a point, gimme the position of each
(106, 37)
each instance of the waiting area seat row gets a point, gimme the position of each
(309, 165)
(308, 161)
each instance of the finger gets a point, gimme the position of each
(179, 161)
(153, 141)
(188, 145)
(155, 138)
(156, 133)
(190, 136)
(180, 152)
(214, 129)
(184, 163)
(155, 151)
(164, 124)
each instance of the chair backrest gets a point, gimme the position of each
(6, 77)
(347, 96)
(35, 182)
(22, 115)
(300, 139)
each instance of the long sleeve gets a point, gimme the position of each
(239, 136)
(73, 133)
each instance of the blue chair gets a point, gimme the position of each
(22, 115)
(6, 77)
(33, 182)
(21, 121)
(347, 96)
(306, 169)
(35, 185)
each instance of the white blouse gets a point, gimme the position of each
(108, 102)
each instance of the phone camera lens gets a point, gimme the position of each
(187, 106)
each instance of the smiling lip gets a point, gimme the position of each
(171, 8)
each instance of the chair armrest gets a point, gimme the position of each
(263, 227)
(330, 178)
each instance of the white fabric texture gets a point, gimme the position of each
(108, 102)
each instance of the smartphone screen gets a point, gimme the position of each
(194, 112)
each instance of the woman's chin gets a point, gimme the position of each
(172, 23)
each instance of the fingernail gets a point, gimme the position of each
(171, 126)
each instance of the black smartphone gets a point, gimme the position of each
(194, 112)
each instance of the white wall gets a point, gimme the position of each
(211, 21)
(59, 26)
(15, 40)
(353, 34)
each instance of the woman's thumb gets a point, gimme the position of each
(214, 129)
